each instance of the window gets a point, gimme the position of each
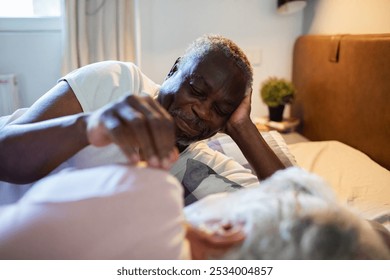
(30, 15)
(29, 8)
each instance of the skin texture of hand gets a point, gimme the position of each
(242, 130)
(139, 126)
(240, 115)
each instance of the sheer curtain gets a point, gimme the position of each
(96, 30)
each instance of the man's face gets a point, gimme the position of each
(201, 95)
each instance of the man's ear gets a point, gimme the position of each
(173, 69)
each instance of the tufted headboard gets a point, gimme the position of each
(343, 91)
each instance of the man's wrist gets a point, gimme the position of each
(81, 123)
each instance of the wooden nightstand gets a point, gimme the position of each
(287, 125)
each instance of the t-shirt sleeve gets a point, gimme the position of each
(98, 84)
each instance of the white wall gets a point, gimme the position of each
(32, 51)
(167, 27)
(347, 17)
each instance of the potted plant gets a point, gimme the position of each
(276, 93)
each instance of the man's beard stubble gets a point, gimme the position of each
(195, 123)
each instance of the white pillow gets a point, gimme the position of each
(225, 144)
(355, 178)
(10, 193)
(200, 180)
(4, 120)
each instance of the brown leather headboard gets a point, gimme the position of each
(343, 91)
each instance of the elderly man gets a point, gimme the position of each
(77, 121)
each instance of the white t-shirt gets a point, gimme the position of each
(95, 86)
(98, 84)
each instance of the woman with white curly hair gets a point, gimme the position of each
(292, 215)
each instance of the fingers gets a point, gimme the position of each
(140, 127)
(240, 115)
(214, 239)
(159, 126)
(122, 134)
(246, 103)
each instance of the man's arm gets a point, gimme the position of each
(256, 150)
(50, 132)
(55, 128)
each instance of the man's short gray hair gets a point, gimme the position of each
(209, 43)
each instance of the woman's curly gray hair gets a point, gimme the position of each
(209, 43)
(292, 215)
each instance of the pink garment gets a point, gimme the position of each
(107, 212)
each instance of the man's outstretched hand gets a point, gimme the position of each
(139, 126)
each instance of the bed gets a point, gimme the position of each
(342, 102)
(344, 91)
(343, 95)
(343, 98)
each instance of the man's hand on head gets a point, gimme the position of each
(240, 115)
(139, 126)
